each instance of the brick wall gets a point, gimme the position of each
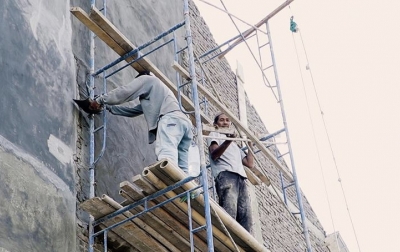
(280, 229)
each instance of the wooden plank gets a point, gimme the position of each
(170, 177)
(253, 178)
(117, 36)
(121, 40)
(254, 175)
(160, 221)
(143, 184)
(84, 18)
(176, 228)
(248, 133)
(197, 210)
(153, 226)
(130, 189)
(130, 232)
(111, 30)
(221, 241)
(171, 208)
(185, 74)
(114, 33)
(207, 128)
(96, 207)
(247, 33)
(174, 211)
(241, 236)
(113, 241)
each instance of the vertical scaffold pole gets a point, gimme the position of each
(296, 183)
(192, 73)
(91, 134)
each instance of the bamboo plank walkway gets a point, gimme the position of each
(166, 227)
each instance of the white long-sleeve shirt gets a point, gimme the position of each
(155, 99)
(230, 160)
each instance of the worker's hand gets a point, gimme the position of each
(250, 145)
(108, 107)
(192, 196)
(94, 106)
(232, 135)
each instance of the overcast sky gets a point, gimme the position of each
(354, 60)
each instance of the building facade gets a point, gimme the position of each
(44, 139)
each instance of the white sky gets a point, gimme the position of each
(354, 56)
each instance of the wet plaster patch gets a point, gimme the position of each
(59, 150)
(38, 213)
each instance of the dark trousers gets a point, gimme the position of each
(234, 197)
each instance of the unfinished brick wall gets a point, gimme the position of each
(281, 230)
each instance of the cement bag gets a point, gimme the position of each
(194, 160)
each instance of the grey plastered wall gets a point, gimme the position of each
(127, 150)
(37, 127)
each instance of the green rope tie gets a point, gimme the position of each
(293, 25)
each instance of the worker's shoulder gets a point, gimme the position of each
(214, 134)
(149, 81)
(148, 78)
(153, 80)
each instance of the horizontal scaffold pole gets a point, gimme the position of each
(105, 30)
(252, 29)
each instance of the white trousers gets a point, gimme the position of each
(174, 136)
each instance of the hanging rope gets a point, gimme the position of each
(294, 28)
(315, 140)
(247, 45)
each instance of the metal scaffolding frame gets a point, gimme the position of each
(199, 118)
(92, 160)
(242, 37)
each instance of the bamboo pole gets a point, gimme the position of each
(114, 239)
(221, 241)
(246, 131)
(247, 33)
(161, 222)
(97, 23)
(177, 174)
(171, 208)
(174, 211)
(160, 243)
(179, 231)
(130, 233)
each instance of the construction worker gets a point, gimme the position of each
(227, 160)
(168, 126)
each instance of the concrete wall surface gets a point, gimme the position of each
(37, 129)
(127, 151)
(37, 210)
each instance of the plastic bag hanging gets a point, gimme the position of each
(194, 160)
(293, 25)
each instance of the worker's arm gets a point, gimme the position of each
(126, 111)
(248, 160)
(137, 88)
(217, 150)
